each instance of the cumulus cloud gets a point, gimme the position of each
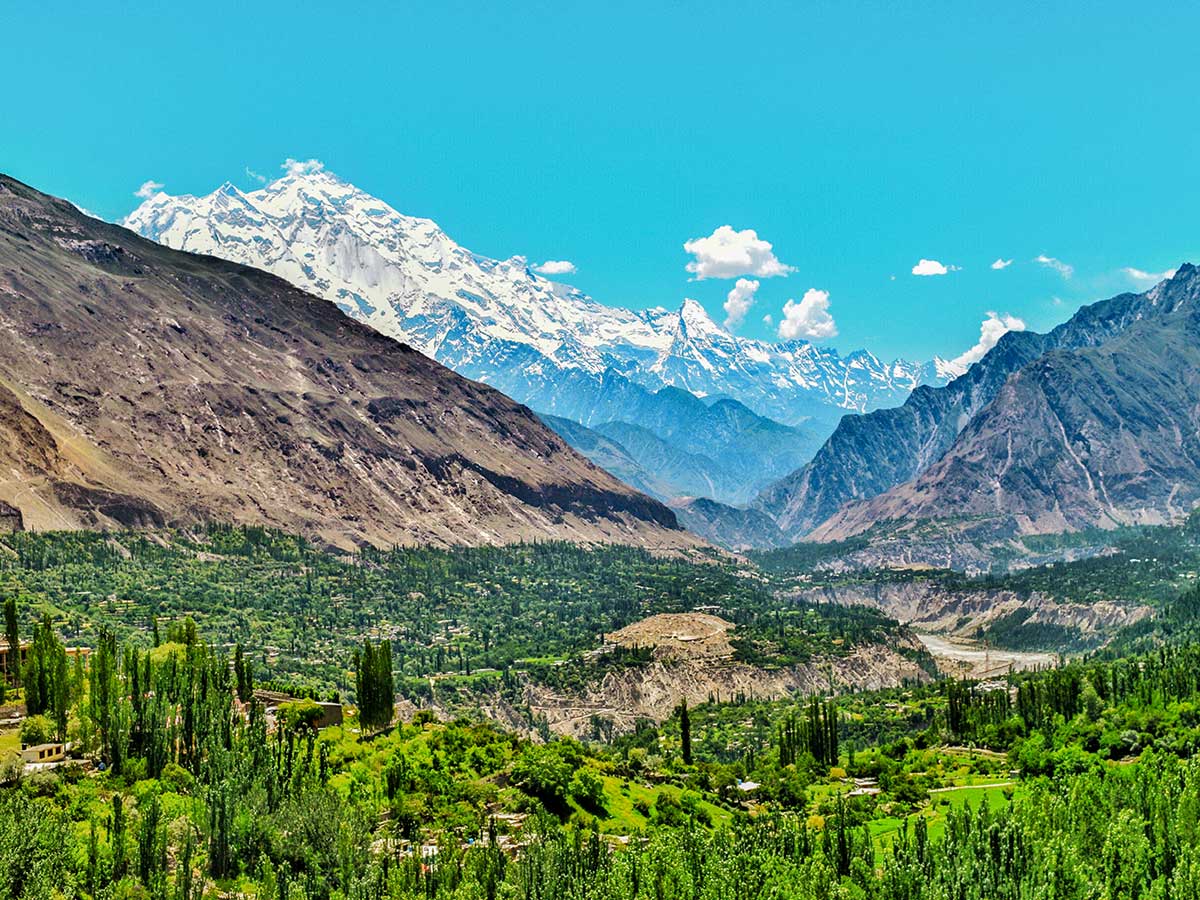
(994, 327)
(1001, 263)
(148, 189)
(261, 179)
(556, 267)
(739, 301)
(809, 318)
(1062, 268)
(768, 320)
(932, 267)
(302, 166)
(727, 254)
(1147, 278)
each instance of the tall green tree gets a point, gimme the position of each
(47, 678)
(12, 633)
(685, 732)
(374, 684)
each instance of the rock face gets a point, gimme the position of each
(10, 518)
(144, 386)
(1100, 436)
(870, 454)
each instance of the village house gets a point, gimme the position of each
(44, 753)
(331, 713)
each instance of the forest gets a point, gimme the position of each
(185, 782)
(469, 612)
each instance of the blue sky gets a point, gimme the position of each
(856, 138)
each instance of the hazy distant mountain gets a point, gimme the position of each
(734, 527)
(140, 385)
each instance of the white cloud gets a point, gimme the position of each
(1147, 278)
(727, 254)
(302, 166)
(261, 179)
(1062, 268)
(809, 318)
(148, 189)
(1001, 263)
(768, 320)
(994, 327)
(932, 267)
(556, 267)
(739, 301)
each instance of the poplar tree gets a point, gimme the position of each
(685, 732)
(13, 633)
(374, 684)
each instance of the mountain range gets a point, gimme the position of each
(1093, 424)
(544, 343)
(144, 386)
(869, 454)
(1094, 433)
(753, 443)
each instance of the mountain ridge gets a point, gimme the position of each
(869, 454)
(1102, 435)
(496, 320)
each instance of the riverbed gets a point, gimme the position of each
(965, 658)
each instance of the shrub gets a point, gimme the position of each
(36, 730)
(587, 789)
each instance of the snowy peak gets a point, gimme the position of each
(695, 319)
(496, 320)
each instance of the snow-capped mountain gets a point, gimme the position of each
(544, 343)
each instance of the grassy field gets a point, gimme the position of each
(941, 802)
(622, 799)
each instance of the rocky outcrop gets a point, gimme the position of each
(144, 386)
(10, 518)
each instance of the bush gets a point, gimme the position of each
(177, 779)
(298, 714)
(36, 730)
(588, 790)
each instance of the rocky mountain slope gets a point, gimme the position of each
(141, 385)
(1099, 436)
(1003, 617)
(869, 454)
